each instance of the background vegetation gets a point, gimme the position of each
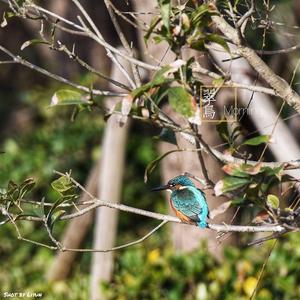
(37, 139)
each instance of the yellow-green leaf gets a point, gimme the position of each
(68, 97)
(273, 201)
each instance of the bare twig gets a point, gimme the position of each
(123, 40)
(21, 61)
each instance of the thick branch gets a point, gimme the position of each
(280, 86)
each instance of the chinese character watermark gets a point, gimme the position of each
(208, 104)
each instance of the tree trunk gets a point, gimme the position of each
(110, 186)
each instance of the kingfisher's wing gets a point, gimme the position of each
(188, 202)
(203, 193)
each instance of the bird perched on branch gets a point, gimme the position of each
(188, 202)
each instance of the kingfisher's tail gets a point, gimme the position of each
(202, 224)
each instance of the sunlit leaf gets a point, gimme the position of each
(218, 82)
(159, 78)
(234, 170)
(242, 170)
(272, 201)
(186, 24)
(4, 20)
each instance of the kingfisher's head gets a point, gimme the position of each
(176, 183)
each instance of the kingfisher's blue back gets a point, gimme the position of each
(191, 202)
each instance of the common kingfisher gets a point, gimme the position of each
(187, 201)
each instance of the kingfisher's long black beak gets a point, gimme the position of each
(160, 188)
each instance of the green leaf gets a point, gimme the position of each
(273, 201)
(201, 15)
(55, 217)
(26, 186)
(230, 183)
(235, 170)
(215, 38)
(151, 166)
(62, 184)
(154, 22)
(160, 93)
(165, 11)
(222, 129)
(197, 44)
(257, 140)
(68, 97)
(33, 42)
(181, 101)
(33, 211)
(158, 79)
(277, 171)
(218, 82)
(168, 135)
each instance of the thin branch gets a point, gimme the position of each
(208, 182)
(123, 40)
(20, 60)
(275, 235)
(72, 55)
(279, 51)
(260, 89)
(121, 246)
(246, 15)
(20, 237)
(91, 35)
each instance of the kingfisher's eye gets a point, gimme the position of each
(172, 185)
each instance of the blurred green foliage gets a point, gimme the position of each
(157, 273)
